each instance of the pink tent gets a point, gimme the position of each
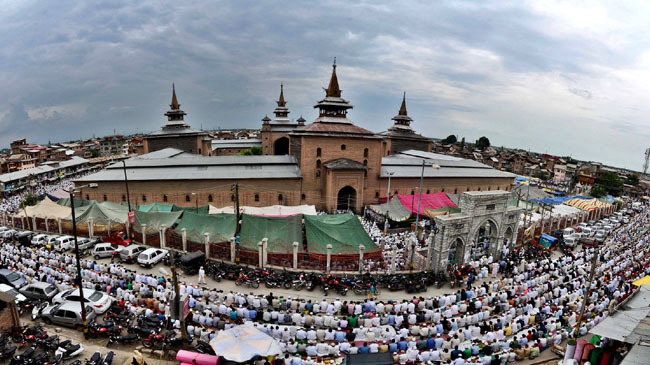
(429, 201)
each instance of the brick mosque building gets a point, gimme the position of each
(330, 163)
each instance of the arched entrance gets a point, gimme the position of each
(456, 252)
(347, 198)
(281, 146)
(485, 236)
(507, 236)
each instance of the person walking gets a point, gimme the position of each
(202, 276)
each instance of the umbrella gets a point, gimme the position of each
(242, 343)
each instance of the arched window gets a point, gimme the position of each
(376, 194)
(396, 192)
(489, 188)
(280, 197)
(144, 198)
(87, 197)
(165, 198)
(187, 198)
(318, 152)
(479, 188)
(342, 147)
(412, 192)
(443, 190)
(257, 197)
(365, 152)
(123, 197)
(428, 191)
(456, 191)
(365, 163)
(318, 164)
(467, 189)
(105, 197)
(303, 196)
(232, 197)
(210, 198)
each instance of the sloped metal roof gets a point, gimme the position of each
(630, 324)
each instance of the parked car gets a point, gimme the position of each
(588, 241)
(3, 228)
(99, 301)
(24, 238)
(84, 243)
(569, 231)
(118, 239)
(63, 243)
(39, 239)
(10, 290)
(130, 252)
(9, 234)
(66, 314)
(12, 278)
(102, 250)
(600, 235)
(40, 290)
(570, 241)
(151, 256)
(51, 240)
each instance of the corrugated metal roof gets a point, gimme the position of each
(35, 171)
(225, 172)
(631, 323)
(416, 171)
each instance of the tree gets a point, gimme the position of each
(94, 153)
(611, 183)
(483, 143)
(253, 151)
(542, 176)
(462, 144)
(29, 200)
(451, 139)
(598, 191)
(632, 179)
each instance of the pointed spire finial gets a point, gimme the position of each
(402, 109)
(174, 105)
(333, 88)
(281, 101)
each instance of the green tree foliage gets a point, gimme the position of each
(29, 200)
(253, 151)
(632, 179)
(462, 144)
(611, 183)
(542, 176)
(483, 143)
(451, 139)
(598, 191)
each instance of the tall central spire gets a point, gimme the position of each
(281, 111)
(402, 109)
(402, 120)
(281, 101)
(174, 105)
(333, 88)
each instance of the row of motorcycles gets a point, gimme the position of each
(53, 351)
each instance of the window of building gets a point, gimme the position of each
(232, 197)
(479, 188)
(342, 147)
(199, 151)
(365, 163)
(396, 192)
(257, 197)
(318, 152)
(165, 198)
(105, 197)
(490, 207)
(428, 191)
(365, 152)
(317, 173)
(376, 194)
(456, 191)
(210, 198)
(318, 164)
(144, 198)
(87, 197)
(123, 197)
(187, 198)
(467, 189)
(489, 188)
(443, 190)
(303, 196)
(412, 192)
(280, 197)
(365, 173)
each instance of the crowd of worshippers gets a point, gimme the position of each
(494, 321)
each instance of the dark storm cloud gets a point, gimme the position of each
(76, 69)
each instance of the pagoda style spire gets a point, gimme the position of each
(174, 105)
(402, 120)
(281, 101)
(402, 109)
(281, 111)
(333, 88)
(175, 114)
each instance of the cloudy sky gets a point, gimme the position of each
(565, 77)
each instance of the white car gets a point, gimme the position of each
(99, 301)
(63, 243)
(39, 239)
(151, 256)
(51, 240)
(8, 289)
(8, 234)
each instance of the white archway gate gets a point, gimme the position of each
(484, 214)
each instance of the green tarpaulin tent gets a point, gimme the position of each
(155, 207)
(154, 220)
(99, 213)
(221, 227)
(343, 231)
(202, 210)
(281, 232)
(77, 202)
(396, 211)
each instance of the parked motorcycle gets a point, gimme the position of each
(103, 329)
(68, 350)
(203, 347)
(122, 339)
(95, 359)
(248, 281)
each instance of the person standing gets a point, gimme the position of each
(202, 276)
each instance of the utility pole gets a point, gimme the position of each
(387, 201)
(177, 297)
(417, 217)
(235, 187)
(594, 261)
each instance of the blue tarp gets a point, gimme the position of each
(557, 200)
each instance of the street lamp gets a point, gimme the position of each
(76, 254)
